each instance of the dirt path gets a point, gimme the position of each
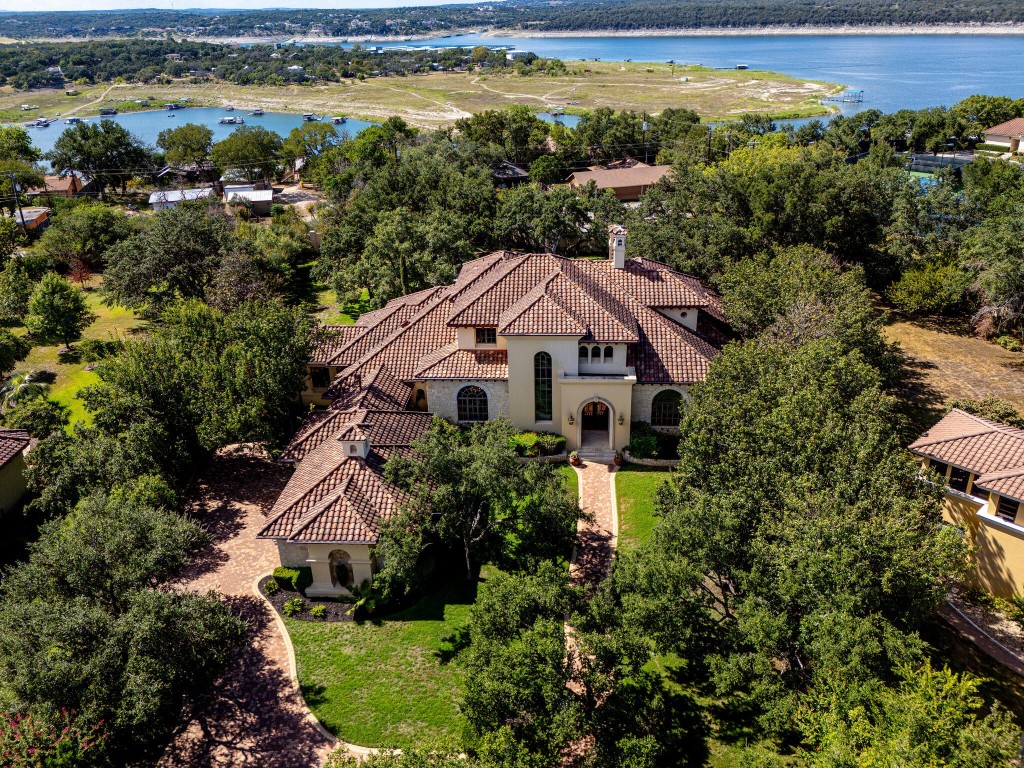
(598, 537)
(254, 716)
(90, 103)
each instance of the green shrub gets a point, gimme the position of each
(293, 579)
(525, 444)
(930, 289)
(293, 606)
(271, 586)
(94, 350)
(643, 443)
(277, 209)
(532, 444)
(550, 443)
(1010, 343)
(318, 611)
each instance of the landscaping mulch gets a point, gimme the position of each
(335, 609)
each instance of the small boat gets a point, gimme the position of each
(173, 106)
(41, 122)
(72, 121)
(257, 113)
(231, 121)
(229, 108)
(741, 66)
(309, 117)
(338, 120)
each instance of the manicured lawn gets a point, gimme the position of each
(330, 311)
(572, 480)
(71, 377)
(635, 489)
(388, 682)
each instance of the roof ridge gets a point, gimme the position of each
(992, 426)
(324, 504)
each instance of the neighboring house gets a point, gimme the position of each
(258, 201)
(982, 463)
(574, 346)
(1006, 134)
(168, 198)
(627, 182)
(31, 220)
(508, 174)
(61, 186)
(13, 485)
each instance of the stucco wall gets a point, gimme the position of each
(999, 559)
(643, 396)
(521, 350)
(12, 484)
(359, 557)
(441, 397)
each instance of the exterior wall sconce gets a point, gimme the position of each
(622, 420)
(572, 420)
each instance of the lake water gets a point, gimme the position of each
(894, 71)
(147, 125)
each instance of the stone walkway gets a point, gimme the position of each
(597, 537)
(254, 716)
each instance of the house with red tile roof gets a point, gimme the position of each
(13, 443)
(981, 463)
(580, 347)
(1006, 134)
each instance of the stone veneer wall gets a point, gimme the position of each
(292, 555)
(643, 396)
(441, 397)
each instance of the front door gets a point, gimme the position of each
(594, 421)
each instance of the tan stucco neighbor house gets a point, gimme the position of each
(982, 465)
(580, 347)
(13, 484)
(1006, 134)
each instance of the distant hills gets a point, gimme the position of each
(533, 15)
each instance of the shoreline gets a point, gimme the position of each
(1006, 29)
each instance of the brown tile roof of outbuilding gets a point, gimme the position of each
(1014, 127)
(12, 442)
(986, 448)
(617, 178)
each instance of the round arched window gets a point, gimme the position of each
(471, 403)
(665, 408)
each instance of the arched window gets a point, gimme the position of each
(341, 568)
(542, 387)
(609, 354)
(665, 409)
(584, 357)
(472, 404)
(595, 355)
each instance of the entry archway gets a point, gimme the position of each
(595, 425)
(341, 569)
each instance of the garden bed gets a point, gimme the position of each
(993, 621)
(334, 610)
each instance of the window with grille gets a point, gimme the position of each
(472, 404)
(1007, 509)
(665, 409)
(542, 387)
(486, 336)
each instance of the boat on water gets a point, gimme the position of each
(72, 121)
(173, 106)
(257, 112)
(229, 108)
(41, 122)
(309, 117)
(338, 120)
(231, 121)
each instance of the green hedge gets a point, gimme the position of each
(645, 443)
(293, 579)
(533, 444)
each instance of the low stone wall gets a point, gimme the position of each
(557, 458)
(650, 462)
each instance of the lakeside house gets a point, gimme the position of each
(629, 181)
(252, 196)
(31, 220)
(580, 347)
(169, 198)
(1008, 134)
(71, 185)
(982, 464)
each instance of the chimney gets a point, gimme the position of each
(617, 245)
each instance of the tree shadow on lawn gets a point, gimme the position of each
(252, 716)
(452, 590)
(921, 404)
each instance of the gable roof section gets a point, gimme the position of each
(450, 362)
(986, 448)
(1014, 127)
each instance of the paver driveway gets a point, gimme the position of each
(253, 716)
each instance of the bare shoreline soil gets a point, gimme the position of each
(439, 98)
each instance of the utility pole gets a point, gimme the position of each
(17, 200)
(644, 126)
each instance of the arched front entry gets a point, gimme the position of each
(341, 569)
(595, 425)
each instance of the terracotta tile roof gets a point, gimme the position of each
(12, 442)
(370, 389)
(450, 362)
(639, 175)
(332, 339)
(1014, 127)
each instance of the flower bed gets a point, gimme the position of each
(333, 610)
(532, 445)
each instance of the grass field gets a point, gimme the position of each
(71, 376)
(440, 98)
(386, 683)
(635, 490)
